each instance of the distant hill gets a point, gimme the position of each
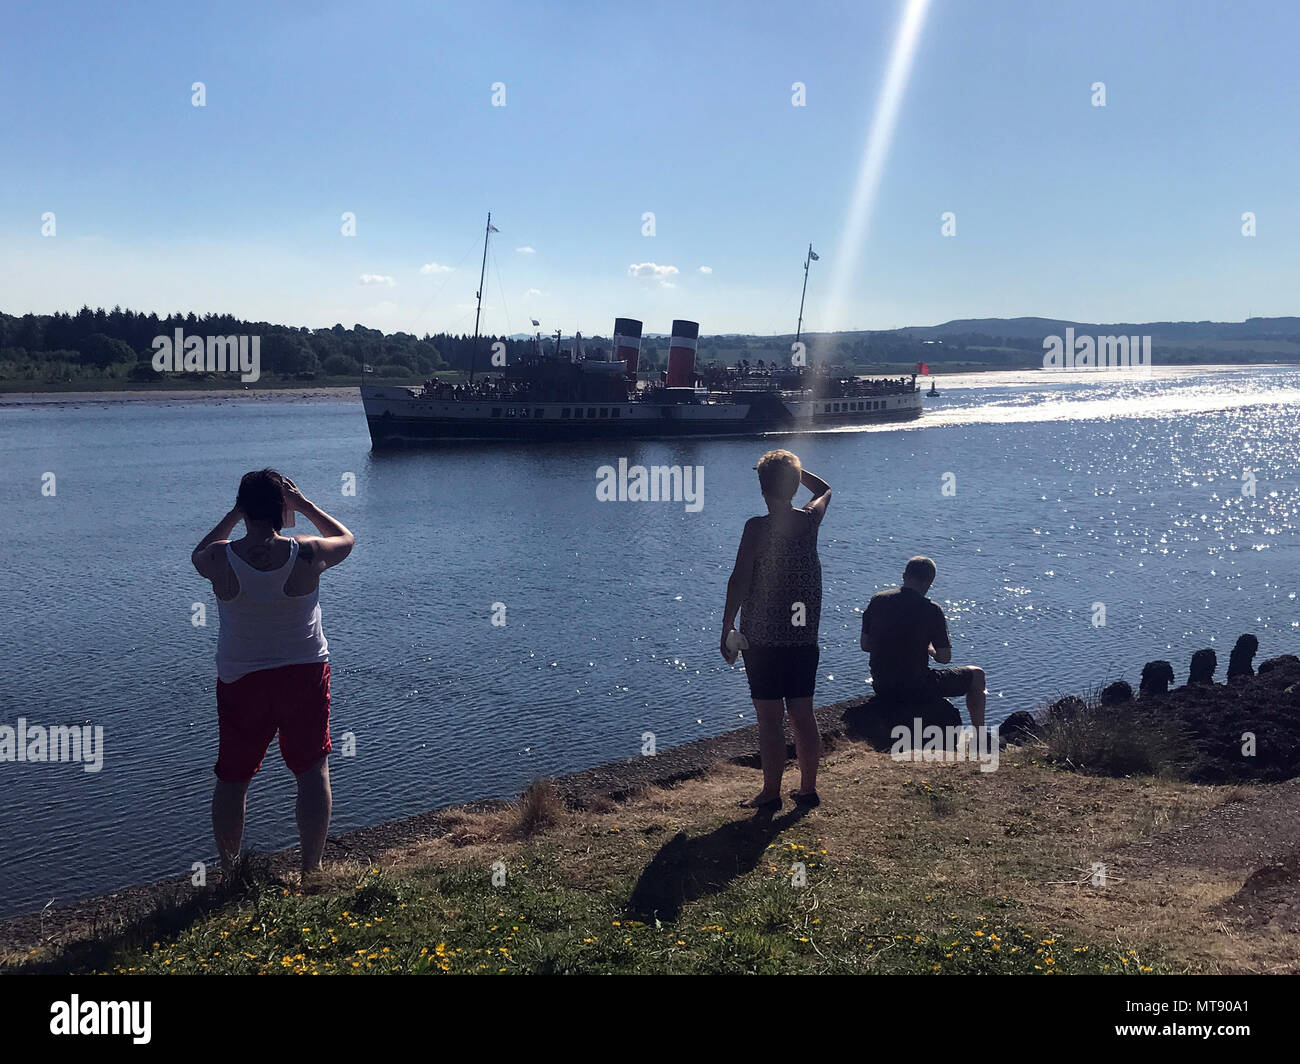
(1014, 343)
(1037, 328)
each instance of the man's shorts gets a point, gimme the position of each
(777, 673)
(293, 700)
(937, 683)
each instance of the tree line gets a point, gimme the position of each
(119, 344)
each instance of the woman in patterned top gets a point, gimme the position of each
(777, 587)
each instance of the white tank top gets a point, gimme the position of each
(262, 627)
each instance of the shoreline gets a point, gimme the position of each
(1267, 701)
(20, 398)
(612, 782)
(1222, 819)
(315, 394)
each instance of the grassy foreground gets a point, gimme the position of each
(906, 868)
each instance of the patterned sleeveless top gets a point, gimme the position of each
(786, 571)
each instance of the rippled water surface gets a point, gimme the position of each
(1070, 491)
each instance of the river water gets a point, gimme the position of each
(1063, 492)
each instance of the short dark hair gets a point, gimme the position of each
(920, 569)
(261, 497)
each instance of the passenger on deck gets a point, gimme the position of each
(902, 630)
(776, 585)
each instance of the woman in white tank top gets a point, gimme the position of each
(272, 658)
(264, 627)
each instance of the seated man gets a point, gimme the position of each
(902, 629)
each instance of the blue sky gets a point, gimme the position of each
(1131, 212)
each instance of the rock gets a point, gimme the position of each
(1019, 728)
(874, 719)
(1116, 694)
(1240, 661)
(1204, 662)
(1156, 678)
(1269, 664)
(1066, 708)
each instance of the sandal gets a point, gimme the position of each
(770, 803)
(810, 801)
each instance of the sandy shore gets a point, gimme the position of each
(348, 394)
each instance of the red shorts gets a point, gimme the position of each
(293, 700)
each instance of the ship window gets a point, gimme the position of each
(591, 411)
(828, 409)
(615, 412)
(604, 411)
(496, 411)
(564, 412)
(523, 412)
(539, 412)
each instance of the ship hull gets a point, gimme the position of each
(397, 418)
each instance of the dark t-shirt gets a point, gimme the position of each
(903, 624)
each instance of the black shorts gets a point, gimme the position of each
(937, 683)
(781, 672)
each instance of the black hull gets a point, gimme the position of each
(391, 431)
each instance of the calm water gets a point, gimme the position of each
(1069, 491)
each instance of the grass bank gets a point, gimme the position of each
(906, 867)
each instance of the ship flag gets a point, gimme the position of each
(813, 255)
(923, 368)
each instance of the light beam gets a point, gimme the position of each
(875, 153)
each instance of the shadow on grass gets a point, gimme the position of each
(688, 868)
(165, 915)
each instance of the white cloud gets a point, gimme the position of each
(653, 271)
(706, 269)
(433, 267)
(532, 292)
(526, 250)
(377, 278)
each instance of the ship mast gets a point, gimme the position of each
(812, 257)
(473, 355)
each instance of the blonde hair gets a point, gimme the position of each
(779, 473)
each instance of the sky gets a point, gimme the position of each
(390, 112)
